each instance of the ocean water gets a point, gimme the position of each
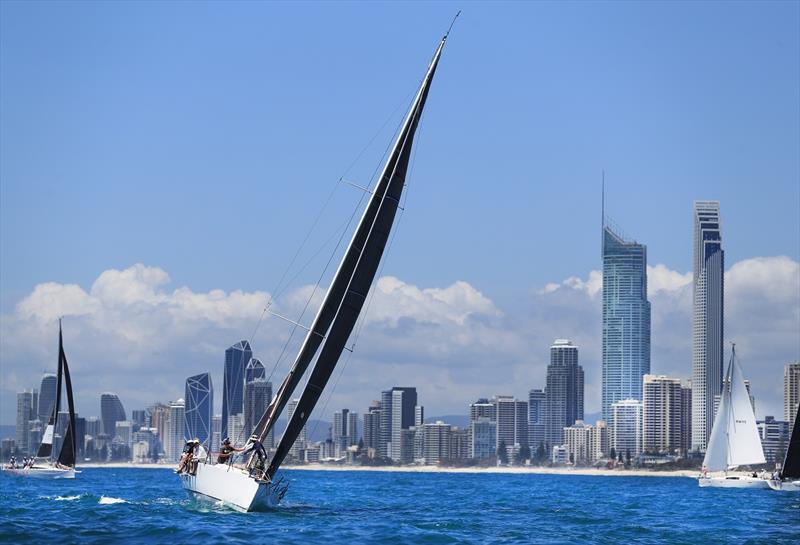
(332, 507)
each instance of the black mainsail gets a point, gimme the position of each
(791, 465)
(351, 284)
(46, 448)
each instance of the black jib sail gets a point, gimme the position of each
(46, 448)
(353, 279)
(791, 465)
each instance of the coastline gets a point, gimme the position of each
(531, 470)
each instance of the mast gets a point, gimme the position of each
(46, 448)
(356, 272)
(67, 455)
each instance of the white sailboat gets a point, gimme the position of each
(734, 437)
(788, 479)
(254, 487)
(45, 465)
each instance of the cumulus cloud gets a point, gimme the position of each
(133, 333)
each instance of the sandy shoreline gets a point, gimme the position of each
(435, 469)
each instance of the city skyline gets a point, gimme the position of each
(155, 285)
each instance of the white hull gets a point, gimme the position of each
(42, 472)
(232, 486)
(785, 486)
(733, 481)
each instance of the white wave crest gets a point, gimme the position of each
(107, 500)
(66, 498)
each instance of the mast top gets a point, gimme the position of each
(446, 34)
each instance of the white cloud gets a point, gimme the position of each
(134, 334)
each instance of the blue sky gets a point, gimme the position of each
(203, 138)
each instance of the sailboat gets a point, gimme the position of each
(45, 464)
(789, 477)
(254, 487)
(734, 439)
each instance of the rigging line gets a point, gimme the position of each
(362, 317)
(278, 288)
(316, 286)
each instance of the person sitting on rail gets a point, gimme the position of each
(186, 457)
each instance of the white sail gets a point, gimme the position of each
(734, 439)
(48, 435)
(744, 443)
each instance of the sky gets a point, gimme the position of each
(161, 164)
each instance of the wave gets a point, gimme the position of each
(67, 498)
(108, 500)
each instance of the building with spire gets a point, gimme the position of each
(707, 319)
(626, 318)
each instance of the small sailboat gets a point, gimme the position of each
(734, 437)
(789, 477)
(254, 487)
(45, 465)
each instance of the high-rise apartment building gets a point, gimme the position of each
(626, 319)
(299, 445)
(173, 437)
(536, 418)
(199, 408)
(564, 391)
(511, 416)
(626, 427)
(586, 443)
(435, 442)
(707, 319)
(404, 402)
(791, 392)
(664, 429)
(111, 412)
(372, 428)
(25, 413)
(47, 397)
(236, 358)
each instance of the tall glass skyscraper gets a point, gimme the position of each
(111, 412)
(626, 319)
(47, 397)
(257, 395)
(707, 319)
(236, 358)
(199, 408)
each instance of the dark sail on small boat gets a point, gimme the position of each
(357, 270)
(791, 465)
(67, 455)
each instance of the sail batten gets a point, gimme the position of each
(359, 266)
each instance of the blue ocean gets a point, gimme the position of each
(323, 507)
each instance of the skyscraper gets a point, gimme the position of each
(626, 427)
(626, 319)
(299, 444)
(404, 400)
(236, 358)
(512, 421)
(173, 440)
(707, 319)
(385, 435)
(372, 426)
(199, 408)
(47, 397)
(25, 413)
(564, 391)
(791, 392)
(257, 395)
(663, 414)
(536, 418)
(111, 412)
